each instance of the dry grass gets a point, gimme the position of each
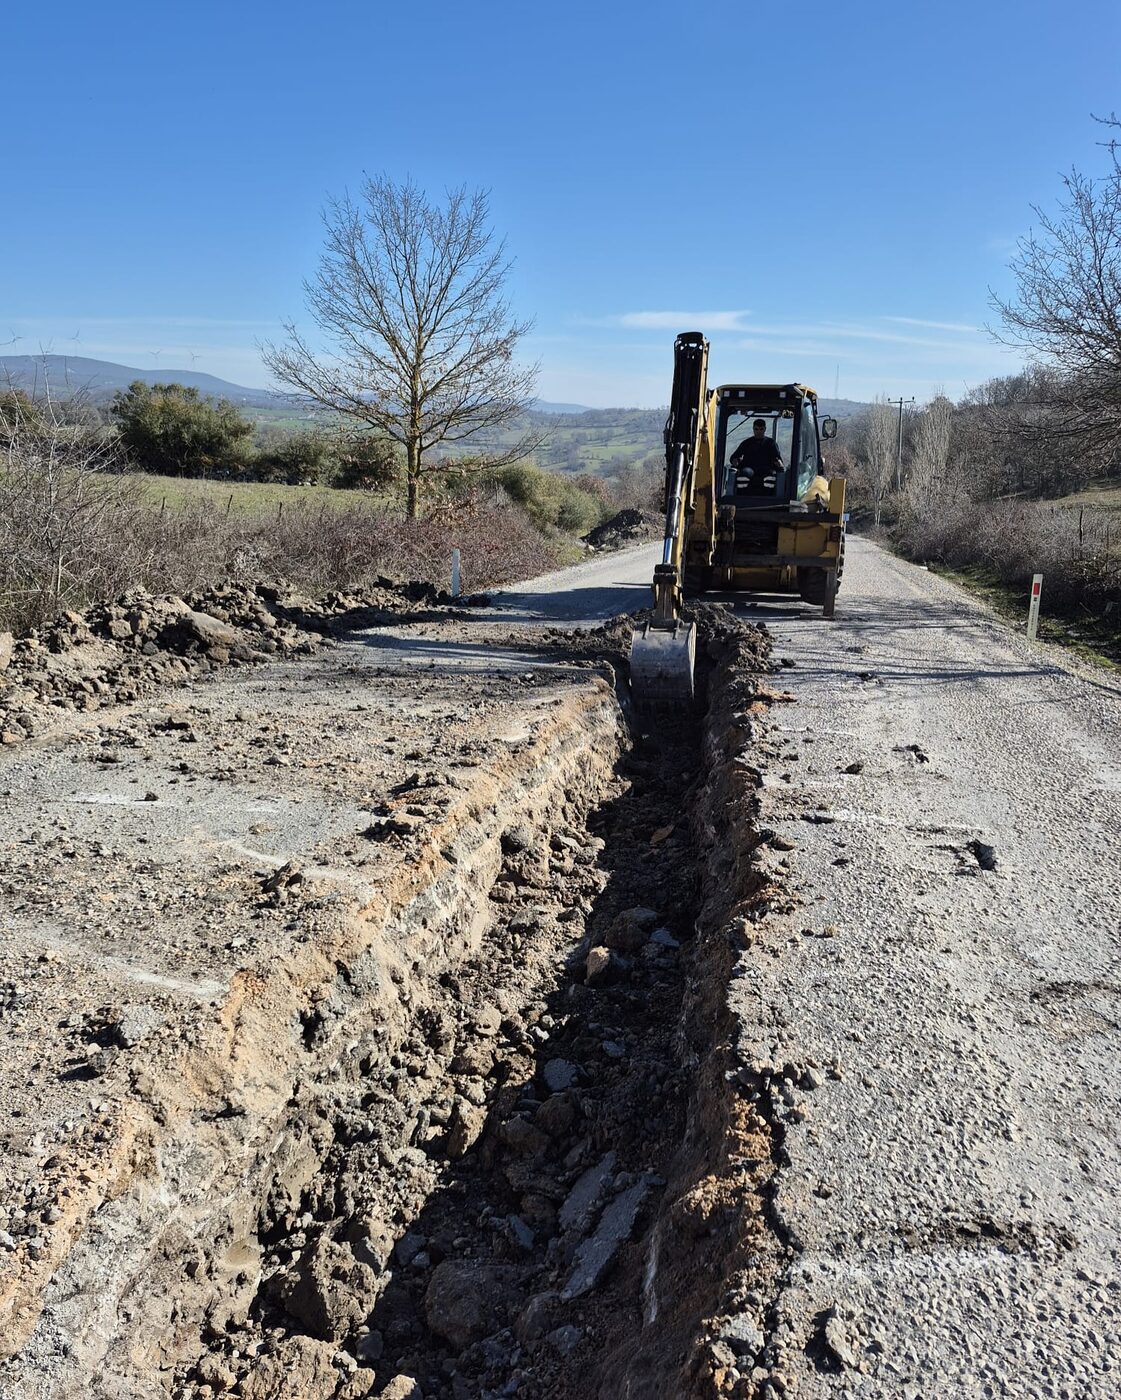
(1003, 543)
(131, 542)
(241, 497)
(73, 530)
(1098, 495)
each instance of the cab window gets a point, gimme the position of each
(807, 449)
(737, 427)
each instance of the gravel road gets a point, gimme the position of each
(934, 997)
(588, 593)
(952, 1200)
(950, 1190)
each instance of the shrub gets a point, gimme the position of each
(109, 539)
(1078, 550)
(551, 501)
(368, 462)
(67, 518)
(299, 459)
(172, 429)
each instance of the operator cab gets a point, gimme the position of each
(749, 472)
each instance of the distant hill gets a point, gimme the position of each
(578, 438)
(603, 440)
(101, 379)
(543, 406)
(840, 408)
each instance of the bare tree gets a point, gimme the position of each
(1067, 308)
(876, 454)
(421, 342)
(930, 452)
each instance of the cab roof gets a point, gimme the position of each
(765, 391)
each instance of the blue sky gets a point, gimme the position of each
(827, 190)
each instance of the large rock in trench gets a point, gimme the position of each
(467, 1301)
(303, 1369)
(330, 1291)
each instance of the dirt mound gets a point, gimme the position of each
(627, 527)
(114, 652)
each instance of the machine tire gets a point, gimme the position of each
(813, 586)
(697, 579)
(813, 583)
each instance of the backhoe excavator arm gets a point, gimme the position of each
(662, 653)
(683, 429)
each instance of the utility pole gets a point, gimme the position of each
(899, 444)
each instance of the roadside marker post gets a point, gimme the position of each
(1033, 606)
(455, 573)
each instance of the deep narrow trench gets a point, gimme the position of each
(541, 1179)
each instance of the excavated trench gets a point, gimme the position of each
(516, 1155)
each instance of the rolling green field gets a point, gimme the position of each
(599, 441)
(249, 496)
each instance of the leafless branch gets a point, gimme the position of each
(1067, 308)
(421, 342)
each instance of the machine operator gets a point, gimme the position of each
(757, 460)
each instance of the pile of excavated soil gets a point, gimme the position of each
(115, 652)
(719, 632)
(630, 526)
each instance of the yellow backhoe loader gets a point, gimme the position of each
(748, 509)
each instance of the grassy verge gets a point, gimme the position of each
(241, 497)
(75, 529)
(69, 540)
(1101, 495)
(1095, 639)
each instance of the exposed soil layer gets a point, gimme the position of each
(582, 1193)
(471, 1126)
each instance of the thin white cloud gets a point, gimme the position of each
(772, 347)
(931, 325)
(674, 320)
(723, 321)
(826, 334)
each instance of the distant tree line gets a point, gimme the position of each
(995, 483)
(1047, 430)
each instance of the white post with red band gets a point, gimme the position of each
(1033, 606)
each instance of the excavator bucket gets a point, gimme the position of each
(662, 666)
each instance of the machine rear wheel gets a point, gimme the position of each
(698, 579)
(813, 586)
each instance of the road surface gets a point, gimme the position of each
(209, 888)
(953, 1199)
(598, 589)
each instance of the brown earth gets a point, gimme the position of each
(363, 1012)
